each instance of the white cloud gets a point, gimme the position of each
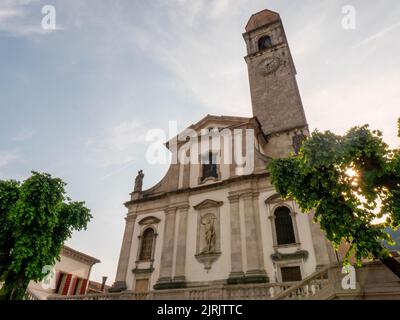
(377, 35)
(349, 104)
(24, 135)
(118, 146)
(126, 134)
(7, 157)
(9, 13)
(214, 75)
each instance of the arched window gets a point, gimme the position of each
(146, 249)
(264, 42)
(284, 226)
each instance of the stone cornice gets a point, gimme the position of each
(79, 256)
(170, 210)
(131, 217)
(214, 186)
(300, 254)
(287, 130)
(233, 198)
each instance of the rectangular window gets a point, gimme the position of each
(291, 274)
(210, 166)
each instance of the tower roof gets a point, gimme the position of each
(261, 18)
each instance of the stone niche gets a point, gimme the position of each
(208, 240)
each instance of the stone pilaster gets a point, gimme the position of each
(120, 279)
(236, 275)
(180, 263)
(293, 215)
(165, 280)
(272, 218)
(255, 270)
(256, 209)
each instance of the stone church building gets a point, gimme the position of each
(209, 225)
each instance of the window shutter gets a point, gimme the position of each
(59, 275)
(83, 287)
(66, 285)
(74, 283)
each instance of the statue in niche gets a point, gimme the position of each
(209, 234)
(139, 181)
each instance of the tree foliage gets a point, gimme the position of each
(36, 218)
(349, 181)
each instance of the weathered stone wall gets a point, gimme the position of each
(275, 96)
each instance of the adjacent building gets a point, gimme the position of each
(70, 276)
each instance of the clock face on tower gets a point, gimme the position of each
(269, 65)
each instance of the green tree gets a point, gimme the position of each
(36, 217)
(349, 181)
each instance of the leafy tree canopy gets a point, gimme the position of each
(36, 218)
(349, 181)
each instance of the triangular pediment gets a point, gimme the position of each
(149, 220)
(219, 122)
(211, 120)
(208, 203)
(276, 198)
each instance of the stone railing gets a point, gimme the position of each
(104, 296)
(29, 295)
(264, 291)
(310, 287)
(254, 291)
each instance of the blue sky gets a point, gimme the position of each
(77, 101)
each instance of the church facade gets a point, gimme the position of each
(216, 221)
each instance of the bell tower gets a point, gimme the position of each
(275, 97)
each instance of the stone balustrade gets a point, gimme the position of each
(103, 296)
(264, 291)
(29, 295)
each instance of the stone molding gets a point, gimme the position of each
(192, 190)
(207, 259)
(143, 271)
(149, 220)
(298, 255)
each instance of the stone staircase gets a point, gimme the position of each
(373, 281)
(317, 286)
